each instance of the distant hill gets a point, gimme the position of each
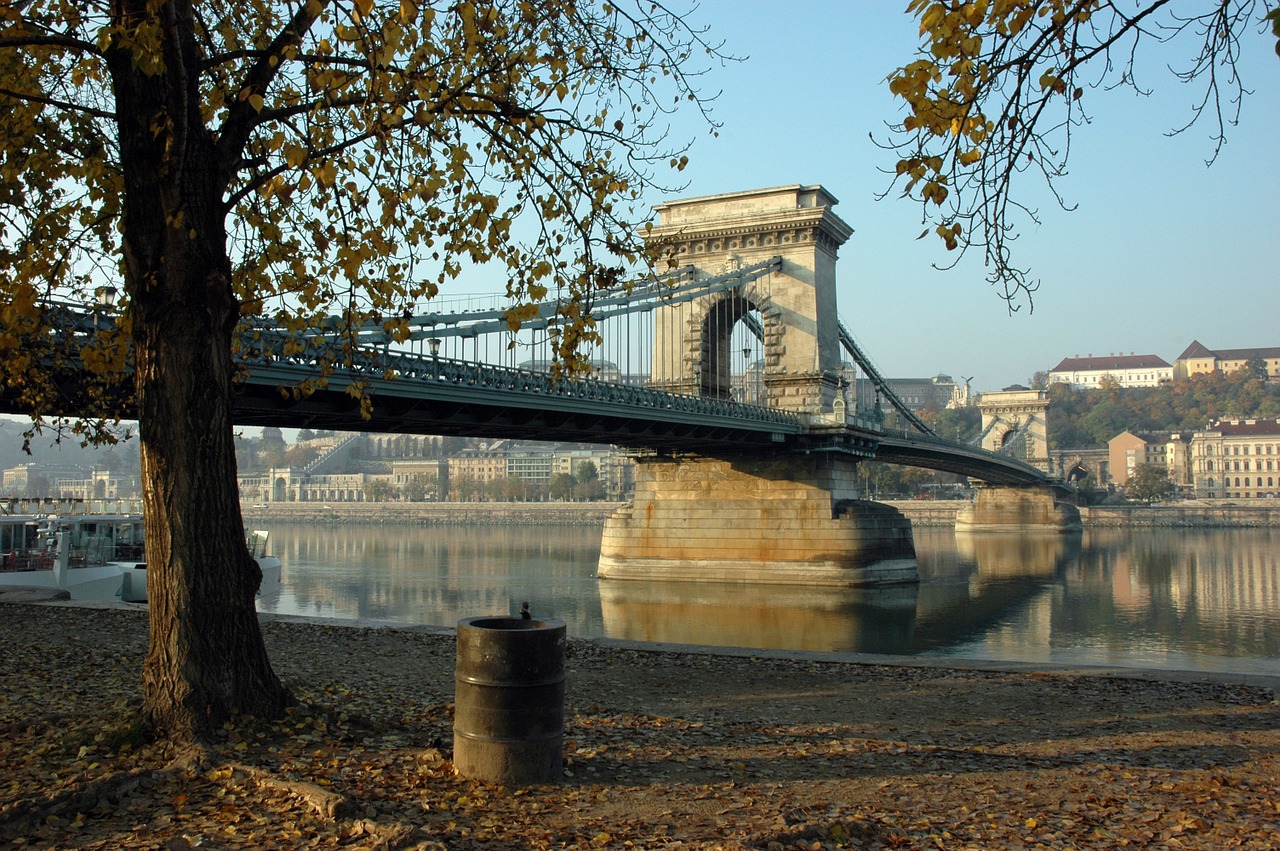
(69, 452)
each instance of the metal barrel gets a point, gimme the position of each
(508, 723)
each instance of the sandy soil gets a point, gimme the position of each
(663, 750)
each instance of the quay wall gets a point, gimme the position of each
(435, 513)
(922, 513)
(1193, 515)
(1204, 514)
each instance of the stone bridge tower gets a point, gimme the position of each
(796, 305)
(755, 516)
(1017, 421)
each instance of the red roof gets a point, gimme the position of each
(1111, 362)
(1245, 428)
(1199, 350)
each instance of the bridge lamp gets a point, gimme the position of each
(434, 344)
(105, 296)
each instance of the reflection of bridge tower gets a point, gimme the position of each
(1017, 422)
(796, 305)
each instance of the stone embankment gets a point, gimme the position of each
(435, 513)
(1189, 514)
(1203, 514)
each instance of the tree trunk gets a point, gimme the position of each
(206, 658)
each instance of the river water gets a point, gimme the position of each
(1175, 599)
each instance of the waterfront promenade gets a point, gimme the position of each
(665, 747)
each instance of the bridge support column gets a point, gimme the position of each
(1010, 509)
(790, 520)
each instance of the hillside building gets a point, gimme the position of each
(918, 394)
(1198, 359)
(1237, 459)
(1170, 452)
(1131, 370)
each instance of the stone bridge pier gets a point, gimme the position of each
(792, 520)
(1014, 509)
(764, 517)
(1017, 421)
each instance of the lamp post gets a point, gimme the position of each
(104, 299)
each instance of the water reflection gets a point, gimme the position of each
(1163, 598)
(971, 583)
(437, 575)
(775, 616)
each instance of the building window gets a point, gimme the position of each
(1208, 465)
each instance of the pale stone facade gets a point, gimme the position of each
(796, 304)
(1129, 370)
(1168, 451)
(1198, 359)
(1017, 415)
(1237, 458)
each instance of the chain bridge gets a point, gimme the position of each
(732, 372)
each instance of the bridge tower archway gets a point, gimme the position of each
(719, 344)
(796, 304)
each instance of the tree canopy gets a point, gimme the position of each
(1083, 418)
(999, 87)
(365, 153)
(297, 163)
(1148, 483)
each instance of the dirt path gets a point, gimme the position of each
(664, 750)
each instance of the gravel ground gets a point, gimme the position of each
(664, 749)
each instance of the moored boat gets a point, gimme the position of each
(93, 557)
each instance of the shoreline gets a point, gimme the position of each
(663, 746)
(1216, 514)
(1251, 679)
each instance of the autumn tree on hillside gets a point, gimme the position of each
(999, 87)
(289, 160)
(1148, 483)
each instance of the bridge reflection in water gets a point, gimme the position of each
(963, 591)
(1159, 598)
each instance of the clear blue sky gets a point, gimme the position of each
(1160, 251)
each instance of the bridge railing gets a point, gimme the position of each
(387, 364)
(954, 446)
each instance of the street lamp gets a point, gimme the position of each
(105, 296)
